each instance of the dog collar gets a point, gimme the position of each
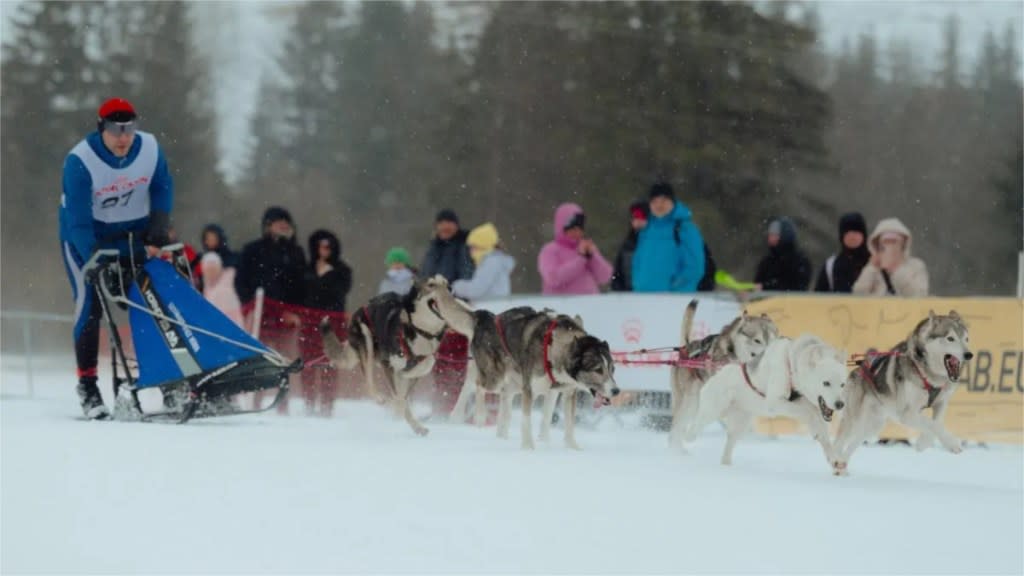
(746, 378)
(548, 336)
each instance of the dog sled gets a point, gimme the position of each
(193, 354)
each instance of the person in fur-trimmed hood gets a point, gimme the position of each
(892, 270)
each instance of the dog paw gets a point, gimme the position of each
(527, 446)
(421, 431)
(839, 468)
(572, 445)
(924, 442)
(956, 448)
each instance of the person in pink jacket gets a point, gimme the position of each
(219, 286)
(572, 264)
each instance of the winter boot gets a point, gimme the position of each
(92, 402)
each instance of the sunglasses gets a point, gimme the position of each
(119, 128)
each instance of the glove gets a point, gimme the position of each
(156, 234)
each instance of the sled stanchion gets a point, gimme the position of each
(26, 332)
(257, 314)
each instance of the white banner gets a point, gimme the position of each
(631, 322)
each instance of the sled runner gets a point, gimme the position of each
(195, 355)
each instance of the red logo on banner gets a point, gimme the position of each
(633, 330)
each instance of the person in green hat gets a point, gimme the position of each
(400, 275)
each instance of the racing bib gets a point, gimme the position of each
(120, 194)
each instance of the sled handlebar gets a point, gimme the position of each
(99, 259)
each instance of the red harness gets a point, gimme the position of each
(789, 379)
(865, 362)
(548, 335)
(406, 351)
(501, 335)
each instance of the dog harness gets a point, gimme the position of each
(501, 335)
(793, 394)
(867, 365)
(548, 336)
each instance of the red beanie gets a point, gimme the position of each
(639, 214)
(116, 106)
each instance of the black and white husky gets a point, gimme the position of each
(921, 372)
(400, 334)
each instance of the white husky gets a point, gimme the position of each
(804, 379)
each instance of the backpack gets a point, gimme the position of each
(707, 282)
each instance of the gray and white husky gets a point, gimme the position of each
(921, 372)
(533, 353)
(743, 340)
(400, 334)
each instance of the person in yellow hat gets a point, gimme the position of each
(493, 275)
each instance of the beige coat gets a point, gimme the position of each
(910, 279)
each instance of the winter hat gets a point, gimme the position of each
(118, 110)
(446, 215)
(274, 214)
(397, 255)
(638, 211)
(852, 222)
(784, 228)
(484, 236)
(661, 189)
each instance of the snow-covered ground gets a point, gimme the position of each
(361, 493)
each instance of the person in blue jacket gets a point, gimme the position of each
(117, 193)
(669, 253)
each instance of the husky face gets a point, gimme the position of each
(822, 379)
(591, 366)
(425, 302)
(749, 336)
(943, 343)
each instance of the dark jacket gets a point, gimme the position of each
(785, 268)
(842, 269)
(449, 258)
(329, 290)
(276, 265)
(622, 278)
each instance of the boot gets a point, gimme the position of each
(92, 402)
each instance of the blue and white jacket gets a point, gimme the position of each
(105, 197)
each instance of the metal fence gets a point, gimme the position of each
(29, 334)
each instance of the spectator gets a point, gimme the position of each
(275, 262)
(892, 270)
(219, 286)
(571, 263)
(493, 275)
(669, 253)
(328, 282)
(447, 254)
(400, 275)
(329, 279)
(785, 268)
(215, 240)
(622, 278)
(843, 268)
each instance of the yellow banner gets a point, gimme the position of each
(988, 406)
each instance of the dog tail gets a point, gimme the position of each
(691, 311)
(341, 354)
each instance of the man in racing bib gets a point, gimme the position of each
(118, 194)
